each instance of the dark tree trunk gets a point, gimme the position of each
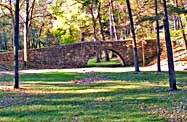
(134, 38)
(5, 40)
(157, 37)
(6, 47)
(82, 37)
(16, 45)
(172, 78)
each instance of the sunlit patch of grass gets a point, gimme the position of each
(113, 62)
(125, 97)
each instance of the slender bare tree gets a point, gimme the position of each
(136, 65)
(157, 36)
(16, 45)
(102, 31)
(26, 30)
(172, 78)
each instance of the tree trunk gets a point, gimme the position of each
(102, 32)
(94, 22)
(183, 32)
(12, 20)
(31, 13)
(82, 37)
(26, 31)
(6, 46)
(172, 78)
(113, 21)
(110, 20)
(143, 53)
(5, 40)
(16, 45)
(182, 27)
(134, 38)
(95, 32)
(157, 37)
(113, 31)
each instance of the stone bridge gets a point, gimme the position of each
(78, 54)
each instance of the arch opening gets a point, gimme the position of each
(116, 60)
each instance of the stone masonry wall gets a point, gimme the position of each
(77, 55)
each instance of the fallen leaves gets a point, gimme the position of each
(87, 80)
(92, 77)
(173, 114)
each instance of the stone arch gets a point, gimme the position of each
(88, 56)
(122, 60)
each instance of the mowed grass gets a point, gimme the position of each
(113, 62)
(121, 97)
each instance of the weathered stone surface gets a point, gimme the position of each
(78, 54)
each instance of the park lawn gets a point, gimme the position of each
(122, 97)
(112, 63)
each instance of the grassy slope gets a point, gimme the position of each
(122, 97)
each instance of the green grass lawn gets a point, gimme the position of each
(121, 97)
(113, 62)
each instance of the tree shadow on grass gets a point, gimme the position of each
(112, 105)
(119, 98)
